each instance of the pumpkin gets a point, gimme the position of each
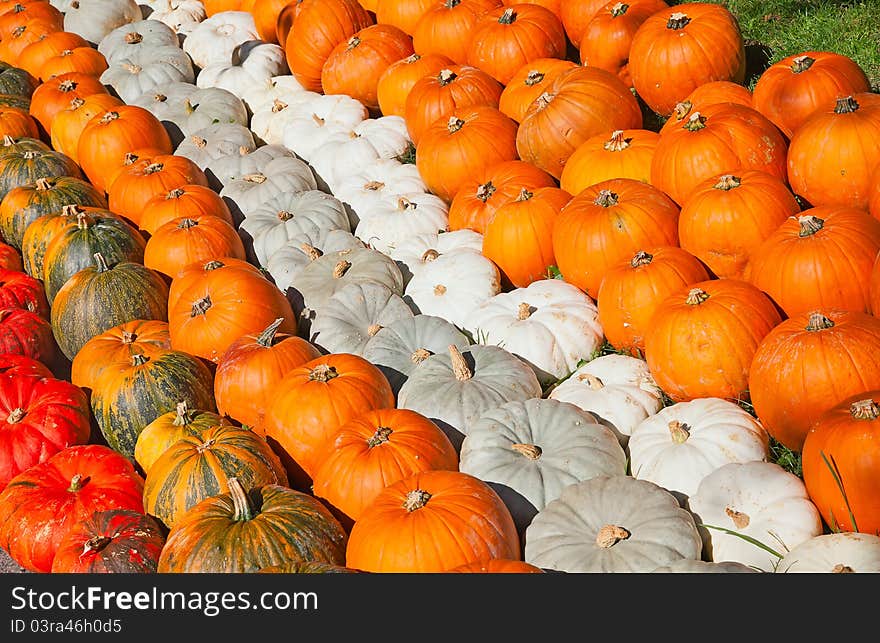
(215, 39)
(14, 364)
(716, 91)
(753, 203)
(25, 33)
(95, 19)
(31, 57)
(157, 436)
(398, 79)
(89, 302)
(17, 122)
(580, 103)
(213, 142)
(199, 465)
(113, 541)
(10, 258)
(284, 174)
(403, 14)
(631, 291)
(681, 47)
(14, 80)
(185, 240)
(834, 553)
(576, 16)
(528, 83)
(618, 390)
(43, 416)
(530, 450)
(248, 160)
(41, 505)
(191, 199)
(608, 223)
(251, 367)
(432, 521)
(506, 38)
(838, 464)
(417, 251)
(827, 163)
(446, 27)
(312, 400)
(21, 168)
(251, 64)
(480, 196)
(792, 88)
(287, 261)
(732, 138)
(611, 524)
(148, 337)
(622, 154)
(19, 290)
(743, 502)
(389, 223)
(54, 95)
(702, 338)
(20, 13)
(23, 332)
(375, 449)
(68, 123)
(200, 273)
(84, 59)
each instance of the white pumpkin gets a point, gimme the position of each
(95, 19)
(417, 250)
(550, 324)
(688, 566)
(210, 143)
(834, 553)
(251, 64)
(270, 120)
(748, 508)
(611, 524)
(280, 88)
(214, 39)
(313, 120)
(285, 263)
(395, 219)
(181, 15)
(684, 442)
(283, 174)
(248, 161)
(452, 285)
(131, 38)
(618, 390)
(378, 180)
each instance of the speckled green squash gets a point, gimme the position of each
(199, 465)
(237, 532)
(73, 247)
(21, 168)
(307, 567)
(15, 100)
(100, 297)
(127, 397)
(16, 81)
(42, 231)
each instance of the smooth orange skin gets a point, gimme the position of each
(529, 82)
(447, 30)
(610, 156)
(717, 91)
(399, 77)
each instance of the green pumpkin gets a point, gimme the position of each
(15, 100)
(23, 167)
(22, 205)
(307, 567)
(100, 297)
(21, 144)
(129, 396)
(16, 81)
(73, 247)
(239, 532)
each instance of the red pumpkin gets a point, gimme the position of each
(24, 332)
(10, 259)
(19, 290)
(42, 504)
(13, 364)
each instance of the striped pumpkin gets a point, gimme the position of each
(170, 427)
(198, 466)
(13, 145)
(246, 532)
(102, 296)
(15, 100)
(24, 204)
(127, 397)
(14, 80)
(307, 567)
(21, 168)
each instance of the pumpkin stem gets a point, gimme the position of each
(452, 4)
(318, 120)
(543, 100)
(201, 306)
(67, 85)
(606, 199)
(405, 204)
(76, 483)
(416, 499)
(865, 410)
(186, 223)
(83, 221)
(531, 451)
(176, 193)
(182, 417)
(439, 289)
(284, 215)
(43, 183)
(801, 63)
(610, 535)
(446, 76)
(8, 140)
(534, 77)
(619, 9)
(695, 122)
(242, 506)
(413, 58)
(139, 359)
(728, 182)
(128, 337)
(524, 195)
(641, 258)
(459, 365)
(679, 432)
(818, 321)
(310, 250)
(206, 445)
(454, 124)
(341, 268)
(617, 142)
(278, 105)
(102, 263)
(593, 382)
(268, 336)
(508, 17)
(429, 255)
(810, 225)
(678, 20)
(840, 568)
(199, 141)
(525, 311)
(213, 265)
(154, 167)
(485, 191)
(374, 186)
(696, 296)
(323, 373)
(160, 98)
(846, 105)
(133, 38)
(109, 117)
(739, 519)
(96, 544)
(255, 178)
(373, 329)
(16, 415)
(379, 437)
(420, 356)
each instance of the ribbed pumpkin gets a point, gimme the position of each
(717, 91)
(251, 367)
(580, 103)
(397, 80)
(198, 274)
(84, 60)
(445, 28)
(519, 237)
(577, 15)
(248, 530)
(19, 13)
(198, 465)
(68, 123)
(23, 332)
(430, 522)
(55, 94)
(14, 80)
(170, 427)
(186, 200)
(15, 122)
(99, 297)
(24, 34)
(809, 363)
(148, 337)
(23, 167)
(791, 89)
(623, 154)
(607, 223)
(374, 449)
(528, 83)
(727, 217)
(13, 364)
(31, 57)
(311, 401)
(180, 242)
(453, 150)
(40, 232)
(126, 397)
(114, 541)
(73, 247)
(820, 259)
(404, 14)
(631, 291)
(19, 290)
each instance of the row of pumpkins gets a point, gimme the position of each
(232, 306)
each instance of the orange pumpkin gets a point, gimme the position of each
(201, 273)
(19, 13)
(577, 15)
(55, 95)
(446, 27)
(403, 14)
(189, 199)
(717, 91)
(398, 79)
(31, 58)
(16, 122)
(624, 154)
(23, 35)
(528, 83)
(265, 13)
(85, 60)
(68, 124)
(180, 242)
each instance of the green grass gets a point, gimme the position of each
(774, 29)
